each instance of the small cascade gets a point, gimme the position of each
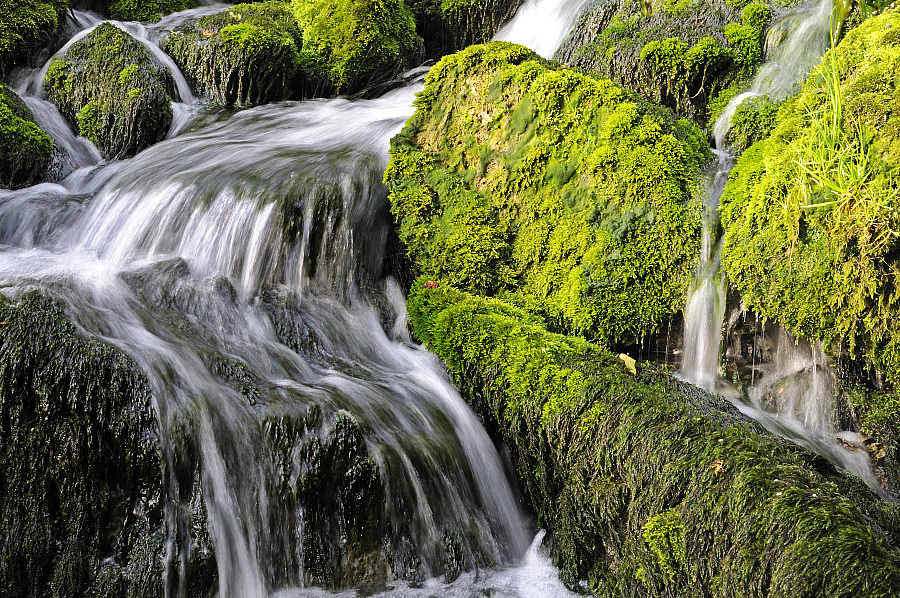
(794, 394)
(541, 24)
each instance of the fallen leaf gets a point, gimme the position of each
(719, 466)
(629, 363)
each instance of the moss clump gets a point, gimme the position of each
(601, 452)
(248, 54)
(682, 57)
(25, 150)
(25, 25)
(348, 44)
(812, 214)
(752, 121)
(113, 90)
(561, 192)
(80, 481)
(146, 11)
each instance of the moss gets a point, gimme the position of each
(617, 464)
(248, 54)
(812, 214)
(447, 26)
(110, 87)
(25, 25)
(348, 44)
(81, 473)
(554, 189)
(25, 150)
(752, 121)
(146, 11)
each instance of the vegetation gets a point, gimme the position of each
(560, 192)
(448, 26)
(753, 120)
(113, 91)
(146, 11)
(247, 54)
(25, 25)
(811, 213)
(348, 44)
(650, 486)
(25, 150)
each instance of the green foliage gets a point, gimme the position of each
(350, 43)
(109, 86)
(146, 11)
(248, 54)
(812, 214)
(644, 478)
(752, 121)
(663, 533)
(24, 26)
(551, 188)
(25, 150)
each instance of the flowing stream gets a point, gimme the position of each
(243, 265)
(793, 396)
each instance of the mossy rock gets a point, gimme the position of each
(650, 486)
(146, 11)
(680, 54)
(448, 26)
(247, 54)
(25, 25)
(812, 214)
(113, 91)
(81, 468)
(351, 44)
(25, 150)
(563, 193)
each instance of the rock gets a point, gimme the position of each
(113, 91)
(448, 27)
(146, 11)
(25, 150)
(24, 27)
(246, 55)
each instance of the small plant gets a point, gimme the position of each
(664, 534)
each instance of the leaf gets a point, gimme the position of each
(629, 363)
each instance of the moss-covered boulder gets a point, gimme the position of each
(812, 214)
(677, 53)
(248, 54)
(25, 25)
(349, 44)
(146, 11)
(448, 26)
(112, 90)
(25, 150)
(650, 486)
(563, 193)
(80, 481)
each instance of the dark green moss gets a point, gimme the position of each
(25, 25)
(25, 150)
(812, 214)
(604, 455)
(146, 11)
(349, 44)
(113, 90)
(81, 468)
(448, 26)
(559, 191)
(247, 54)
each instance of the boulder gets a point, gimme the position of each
(25, 150)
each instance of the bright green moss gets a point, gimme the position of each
(752, 121)
(663, 534)
(248, 54)
(646, 480)
(146, 11)
(554, 189)
(812, 214)
(24, 26)
(25, 150)
(110, 86)
(350, 43)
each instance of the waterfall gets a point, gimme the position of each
(542, 24)
(243, 266)
(794, 395)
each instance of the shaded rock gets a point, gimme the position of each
(25, 150)
(146, 11)
(448, 27)
(25, 25)
(248, 54)
(113, 91)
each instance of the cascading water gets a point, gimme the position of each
(794, 396)
(541, 24)
(242, 266)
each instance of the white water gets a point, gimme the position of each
(185, 257)
(541, 24)
(794, 396)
